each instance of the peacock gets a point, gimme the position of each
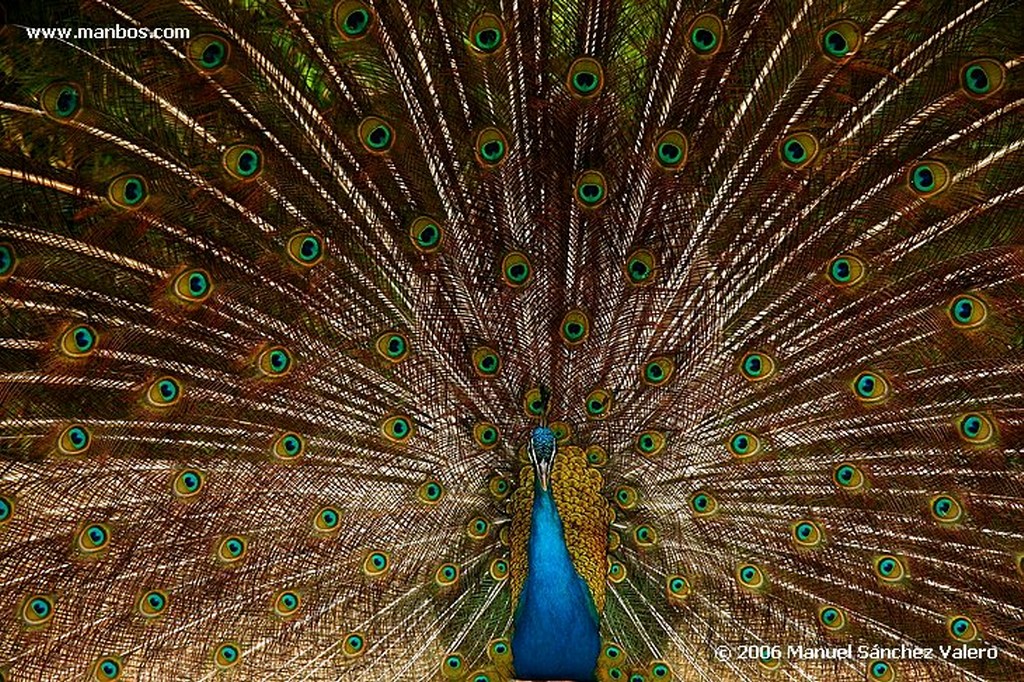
(491, 340)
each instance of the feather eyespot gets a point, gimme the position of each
(832, 618)
(645, 536)
(6, 510)
(880, 671)
(153, 603)
(446, 574)
(596, 456)
(807, 534)
(982, 78)
(499, 487)
(426, 234)
(670, 150)
(208, 53)
(798, 150)
(658, 370)
(703, 504)
(945, 509)
(499, 650)
(106, 669)
(869, 387)
(192, 286)
(486, 361)
(305, 249)
(288, 447)
(626, 497)
(128, 192)
(274, 362)
(660, 670)
(744, 445)
(188, 483)
(430, 492)
(37, 610)
(705, 35)
(393, 346)
(478, 528)
(840, 40)
(286, 603)
(74, 440)
(93, 538)
(486, 435)
(491, 148)
(78, 341)
(575, 328)
(976, 428)
(61, 101)
(498, 569)
(846, 271)
(591, 189)
(8, 260)
(650, 443)
(227, 655)
(486, 34)
(616, 571)
(889, 568)
(353, 644)
(640, 267)
(352, 19)
(397, 429)
(376, 134)
(757, 366)
(750, 576)
(326, 519)
(849, 477)
(534, 403)
(516, 270)
(243, 162)
(967, 312)
(376, 563)
(586, 78)
(561, 430)
(928, 178)
(598, 403)
(231, 549)
(677, 588)
(962, 628)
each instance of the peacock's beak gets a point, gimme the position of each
(544, 473)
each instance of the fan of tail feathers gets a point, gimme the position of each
(638, 340)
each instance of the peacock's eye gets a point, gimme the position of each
(107, 669)
(8, 260)
(640, 267)
(275, 361)
(62, 101)
(486, 361)
(575, 328)
(478, 528)
(650, 443)
(288, 447)
(598, 404)
(889, 569)
(78, 341)
(376, 134)
(841, 39)
(849, 477)
(426, 234)
(353, 644)
(670, 150)
(208, 53)
(658, 371)
(352, 19)
(750, 576)
(227, 655)
(231, 549)
(74, 440)
(393, 346)
(880, 671)
(398, 428)
(976, 428)
(757, 366)
(616, 571)
(946, 509)
(982, 78)
(586, 78)
(93, 537)
(806, 534)
(744, 445)
(962, 628)
(591, 189)
(832, 618)
(498, 569)
(705, 34)
(515, 269)
(869, 387)
(430, 492)
(188, 483)
(376, 563)
(703, 503)
(491, 147)
(798, 150)
(243, 162)
(846, 271)
(446, 574)
(326, 519)
(153, 603)
(929, 178)
(305, 249)
(626, 497)
(967, 312)
(486, 435)
(128, 191)
(486, 34)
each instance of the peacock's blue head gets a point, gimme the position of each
(542, 453)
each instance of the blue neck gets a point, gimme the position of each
(556, 630)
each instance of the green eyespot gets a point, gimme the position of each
(598, 403)
(243, 162)
(192, 286)
(6, 510)
(616, 571)
(288, 447)
(393, 346)
(744, 445)
(585, 78)
(498, 569)
(640, 267)
(962, 628)
(846, 270)
(486, 34)
(591, 189)
(306, 249)
(575, 328)
(671, 149)
(8, 260)
(397, 429)
(976, 428)
(499, 487)
(677, 588)
(645, 536)
(626, 497)
(164, 392)
(516, 270)
(889, 568)
(78, 341)
(153, 603)
(703, 504)
(658, 371)
(37, 610)
(832, 618)
(446, 574)
(491, 147)
(188, 483)
(352, 19)
(286, 603)
(426, 234)
(798, 150)
(430, 492)
(93, 538)
(231, 549)
(274, 362)
(486, 361)
(660, 670)
(869, 387)
(353, 644)
(849, 477)
(478, 528)
(650, 443)
(982, 78)
(106, 669)
(499, 650)
(757, 366)
(533, 403)
(880, 671)
(486, 435)
(376, 134)
(227, 655)
(128, 192)
(928, 178)
(596, 456)
(705, 35)
(806, 534)
(612, 653)
(967, 312)
(945, 509)
(841, 39)
(209, 53)
(326, 519)
(376, 563)
(750, 576)
(74, 440)
(61, 101)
